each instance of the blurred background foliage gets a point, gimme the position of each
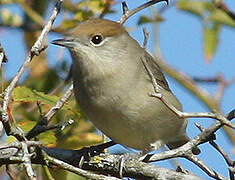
(43, 86)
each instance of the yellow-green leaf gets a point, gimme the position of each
(68, 24)
(47, 138)
(221, 17)
(146, 19)
(82, 15)
(197, 8)
(96, 6)
(8, 18)
(211, 40)
(76, 141)
(24, 94)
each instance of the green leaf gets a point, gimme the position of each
(68, 24)
(221, 17)
(146, 19)
(211, 39)
(75, 141)
(82, 15)
(197, 8)
(8, 18)
(24, 94)
(47, 137)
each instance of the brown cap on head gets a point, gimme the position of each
(98, 26)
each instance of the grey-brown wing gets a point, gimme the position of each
(156, 71)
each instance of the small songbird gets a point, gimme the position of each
(112, 87)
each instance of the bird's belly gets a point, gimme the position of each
(131, 121)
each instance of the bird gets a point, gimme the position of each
(112, 86)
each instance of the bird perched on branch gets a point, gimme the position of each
(112, 87)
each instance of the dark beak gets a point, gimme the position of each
(69, 43)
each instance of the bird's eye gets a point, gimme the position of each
(97, 39)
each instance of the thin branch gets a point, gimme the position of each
(35, 50)
(3, 57)
(205, 168)
(222, 6)
(206, 79)
(27, 162)
(146, 37)
(216, 116)
(158, 95)
(203, 95)
(136, 169)
(222, 84)
(128, 13)
(229, 162)
(185, 150)
(76, 170)
(55, 90)
(42, 125)
(59, 104)
(105, 164)
(124, 8)
(19, 145)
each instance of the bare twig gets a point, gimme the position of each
(222, 84)
(204, 96)
(42, 125)
(128, 13)
(207, 79)
(3, 57)
(27, 162)
(185, 150)
(59, 104)
(124, 8)
(35, 50)
(104, 163)
(16, 131)
(23, 154)
(158, 95)
(146, 37)
(205, 168)
(216, 116)
(57, 88)
(76, 170)
(229, 162)
(221, 5)
(19, 145)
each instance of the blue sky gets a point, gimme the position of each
(180, 40)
